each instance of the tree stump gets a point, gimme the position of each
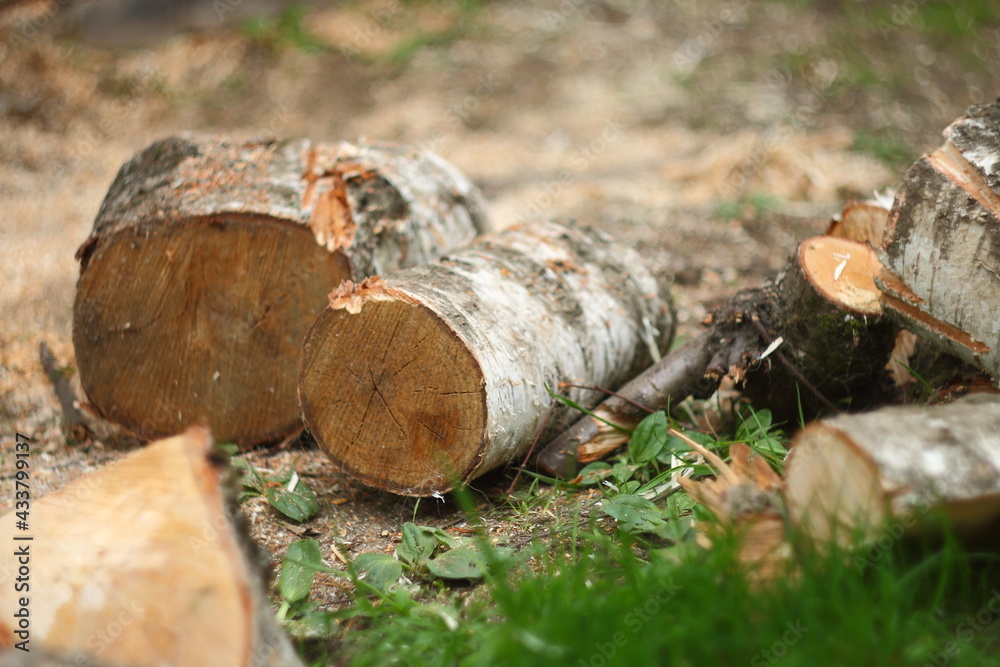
(210, 259)
(801, 343)
(439, 373)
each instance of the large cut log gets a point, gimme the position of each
(437, 374)
(146, 563)
(849, 475)
(210, 259)
(941, 247)
(811, 340)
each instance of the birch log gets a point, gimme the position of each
(941, 248)
(210, 259)
(437, 374)
(849, 475)
(145, 563)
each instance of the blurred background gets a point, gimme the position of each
(711, 135)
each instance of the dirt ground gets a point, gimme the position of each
(712, 136)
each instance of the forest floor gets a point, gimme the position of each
(712, 136)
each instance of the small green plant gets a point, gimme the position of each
(890, 149)
(284, 32)
(750, 206)
(285, 490)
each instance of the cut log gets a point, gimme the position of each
(847, 476)
(210, 259)
(942, 244)
(439, 373)
(146, 563)
(808, 340)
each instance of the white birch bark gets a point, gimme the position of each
(942, 244)
(209, 259)
(533, 306)
(852, 473)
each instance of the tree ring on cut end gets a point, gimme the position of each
(843, 271)
(393, 395)
(231, 296)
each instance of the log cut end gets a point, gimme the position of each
(832, 490)
(210, 293)
(142, 563)
(405, 411)
(843, 271)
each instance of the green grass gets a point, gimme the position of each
(886, 147)
(628, 585)
(610, 606)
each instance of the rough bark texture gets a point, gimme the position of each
(439, 373)
(834, 346)
(850, 474)
(147, 563)
(210, 259)
(942, 244)
(679, 375)
(835, 342)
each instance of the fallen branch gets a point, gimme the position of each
(819, 320)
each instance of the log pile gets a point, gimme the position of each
(210, 259)
(205, 296)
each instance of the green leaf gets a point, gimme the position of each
(648, 438)
(634, 513)
(228, 448)
(299, 504)
(756, 425)
(622, 472)
(313, 624)
(298, 569)
(379, 569)
(462, 563)
(418, 543)
(677, 531)
(594, 472)
(250, 478)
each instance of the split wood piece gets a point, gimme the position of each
(848, 476)
(942, 244)
(863, 221)
(147, 563)
(439, 373)
(210, 259)
(812, 337)
(744, 497)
